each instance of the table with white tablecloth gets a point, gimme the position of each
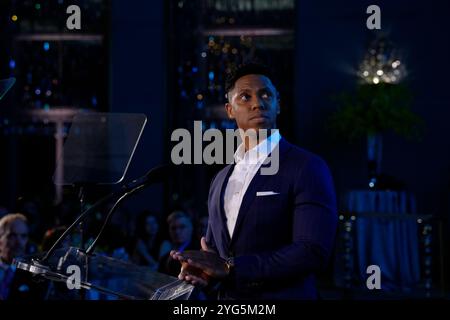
(379, 228)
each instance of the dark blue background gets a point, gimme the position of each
(331, 37)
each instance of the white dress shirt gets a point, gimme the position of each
(247, 165)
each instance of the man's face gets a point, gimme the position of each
(13, 241)
(253, 102)
(180, 231)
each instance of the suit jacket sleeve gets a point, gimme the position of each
(313, 232)
(209, 234)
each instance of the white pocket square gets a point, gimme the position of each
(266, 193)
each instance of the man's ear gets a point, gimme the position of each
(230, 110)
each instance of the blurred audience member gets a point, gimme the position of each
(181, 232)
(13, 242)
(13, 237)
(149, 247)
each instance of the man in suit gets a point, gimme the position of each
(267, 234)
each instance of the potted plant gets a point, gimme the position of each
(369, 112)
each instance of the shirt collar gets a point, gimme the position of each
(260, 151)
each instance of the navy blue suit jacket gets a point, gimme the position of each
(279, 240)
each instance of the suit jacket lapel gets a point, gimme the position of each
(254, 186)
(247, 200)
(222, 183)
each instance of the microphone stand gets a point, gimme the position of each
(75, 224)
(158, 176)
(153, 175)
(108, 218)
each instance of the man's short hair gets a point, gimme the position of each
(243, 70)
(178, 215)
(7, 220)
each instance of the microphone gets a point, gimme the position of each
(155, 175)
